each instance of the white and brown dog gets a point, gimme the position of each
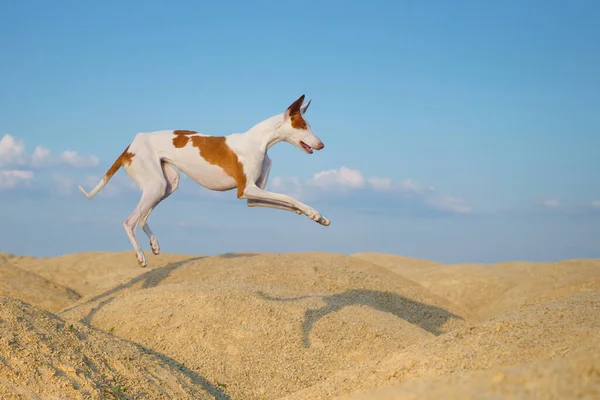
(238, 160)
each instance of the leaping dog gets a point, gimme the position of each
(221, 163)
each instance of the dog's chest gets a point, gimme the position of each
(252, 162)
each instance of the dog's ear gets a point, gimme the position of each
(304, 107)
(294, 108)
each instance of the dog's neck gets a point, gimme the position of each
(267, 132)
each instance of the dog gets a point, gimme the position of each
(220, 163)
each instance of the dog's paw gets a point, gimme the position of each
(324, 221)
(141, 259)
(313, 214)
(154, 246)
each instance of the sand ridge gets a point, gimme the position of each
(490, 290)
(535, 332)
(312, 313)
(574, 376)
(45, 357)
(91, 272)
(33, 288)
(303, 326)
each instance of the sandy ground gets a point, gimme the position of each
(297, 326)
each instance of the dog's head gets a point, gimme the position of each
(297, 131)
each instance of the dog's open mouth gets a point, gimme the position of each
(306, 147)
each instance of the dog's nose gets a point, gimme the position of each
(320, 146)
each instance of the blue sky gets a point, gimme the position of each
(453, 131)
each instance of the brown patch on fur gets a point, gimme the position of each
(180, 141)
(125, 158)
(215, 151)
(182, 138)
(297, 120)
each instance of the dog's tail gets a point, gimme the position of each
(124, 157)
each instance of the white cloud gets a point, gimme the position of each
(550, 203)
(290, 186)
(12, 152)
(343, 179)
(346, 180)
(434, 198)
(40, 157)
(447, 202)
(380, 183)
(10, 179)
(75, 160)
(416, 187)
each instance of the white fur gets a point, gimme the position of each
(155, 159)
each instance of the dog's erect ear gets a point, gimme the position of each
(304, 107)
(294, 108)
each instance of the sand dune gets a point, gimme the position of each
(405, 266)
(537, 332)
(34, 289)
(490, 290)
(270, 324)
(574, 376)
(304, 326)
(93, 272)
(44, 357)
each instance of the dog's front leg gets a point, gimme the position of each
(253, 192)
(272, 204)
(261, 183)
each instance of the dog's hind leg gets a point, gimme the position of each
(147, 172)
(172, 178)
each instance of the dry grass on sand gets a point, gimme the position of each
(296, 326)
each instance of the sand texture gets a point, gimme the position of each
(489, 290)
(44, 357)
(297, 326)
(33, 288)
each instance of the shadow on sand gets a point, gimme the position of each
(428, 317)
(236, 255)
(213, 390)
(169, 363)
(151, 279)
